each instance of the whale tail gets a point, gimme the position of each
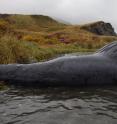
(109, 49)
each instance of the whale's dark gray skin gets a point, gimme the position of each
(99, 68)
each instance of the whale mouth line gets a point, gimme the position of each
(109, 49)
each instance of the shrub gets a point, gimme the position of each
(38, 38)
(4, 26)
(51, 41)
(13, 50)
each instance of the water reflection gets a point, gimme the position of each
(59, 106)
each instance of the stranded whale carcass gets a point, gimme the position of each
(99, 68)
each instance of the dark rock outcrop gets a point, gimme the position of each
(3, 16)
(100, 28)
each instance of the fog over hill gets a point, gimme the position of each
(72, 11)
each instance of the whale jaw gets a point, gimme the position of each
(109, 50)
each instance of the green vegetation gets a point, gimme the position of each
(27, 39)
(34, 23)
(13, 50)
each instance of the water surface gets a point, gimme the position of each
(59, 106)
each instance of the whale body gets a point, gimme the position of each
(99, 68)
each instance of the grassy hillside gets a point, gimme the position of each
(32, 22)
(32, 38)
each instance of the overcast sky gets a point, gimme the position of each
(73, 11)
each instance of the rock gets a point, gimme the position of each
(3, 16)
(100, 28)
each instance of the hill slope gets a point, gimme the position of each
(32, 38)
(31, 22)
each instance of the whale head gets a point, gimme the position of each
(109, 50)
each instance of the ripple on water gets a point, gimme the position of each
(59, 106)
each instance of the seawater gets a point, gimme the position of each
(59, 105)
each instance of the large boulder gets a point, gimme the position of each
(100, 28)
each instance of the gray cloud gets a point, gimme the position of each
(74, 11)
